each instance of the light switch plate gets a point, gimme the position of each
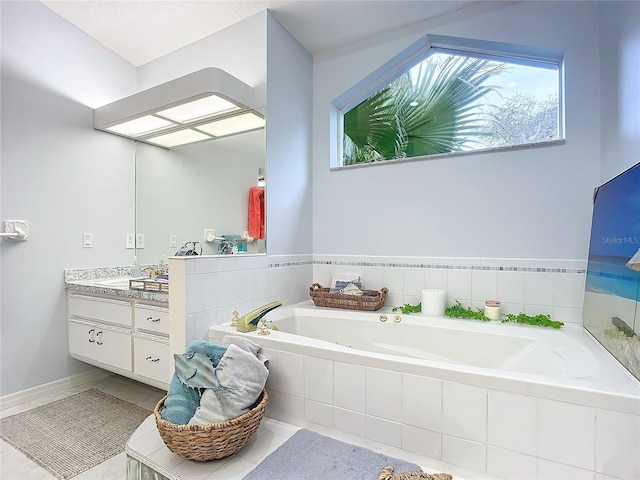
(87, 240)
(139, 240)
(173, 241)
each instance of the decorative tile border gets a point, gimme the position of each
(449, 266)
(290, 264)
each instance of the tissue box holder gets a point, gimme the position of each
(369, 301)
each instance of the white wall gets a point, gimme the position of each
(60, 175)
(619, 91)
(528, 203)
(289, 126)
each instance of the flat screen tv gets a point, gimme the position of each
(611, 310)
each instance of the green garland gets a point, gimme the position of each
(458, 311)
(540, 320)
(407, 308)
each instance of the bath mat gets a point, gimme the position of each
(311, 456)
(74, 434)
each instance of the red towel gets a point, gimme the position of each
(256, 212)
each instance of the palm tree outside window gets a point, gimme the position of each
(453, 102)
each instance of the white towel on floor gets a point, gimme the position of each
(242, 377)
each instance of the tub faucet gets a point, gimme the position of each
(249, 321)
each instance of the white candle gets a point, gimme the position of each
(434, 302)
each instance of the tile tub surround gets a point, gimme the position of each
(505, 426)
(532, 286)
(215, 286)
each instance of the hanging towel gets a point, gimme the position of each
(256, 212)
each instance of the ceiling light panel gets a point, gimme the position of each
(197, 109)
(156, 114)
(180, 137)
(231, 125)
(140, 126)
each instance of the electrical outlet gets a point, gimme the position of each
(87, 240)
(139, 240)
(130, 241)
(173, 241)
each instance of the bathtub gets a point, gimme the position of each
(481, 395)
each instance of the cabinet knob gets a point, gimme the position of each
(99, 342)
(153, 360)
(91, 335)
(153, 320)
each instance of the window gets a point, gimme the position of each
(453, 99)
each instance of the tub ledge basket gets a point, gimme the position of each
(370, 300)
(214, 440)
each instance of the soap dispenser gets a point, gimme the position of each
(135, 269)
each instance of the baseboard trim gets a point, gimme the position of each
(23, 396)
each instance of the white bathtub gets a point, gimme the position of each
(329, 367)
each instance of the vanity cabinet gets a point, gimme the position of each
(127, 336)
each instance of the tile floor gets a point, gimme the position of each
(146, 442)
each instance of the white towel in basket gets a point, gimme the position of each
(241, 376)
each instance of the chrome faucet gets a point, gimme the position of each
(249, 321)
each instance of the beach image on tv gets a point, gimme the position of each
(612, 290)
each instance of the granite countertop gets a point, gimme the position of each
(86, 280)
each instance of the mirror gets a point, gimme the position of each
(185, 190)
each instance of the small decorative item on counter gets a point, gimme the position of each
(492, 309)
(189, 248)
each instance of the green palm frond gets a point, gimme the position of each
(432, 109)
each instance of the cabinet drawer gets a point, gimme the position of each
(152, 318)
(100, 309)
(151, 357)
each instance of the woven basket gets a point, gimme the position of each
(212, 441)
(370, 300)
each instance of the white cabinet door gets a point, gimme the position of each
(114, 348)
(82, 338)
(151, 358)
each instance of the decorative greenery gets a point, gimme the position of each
(541, 320)
(458, 311)
(407, 308)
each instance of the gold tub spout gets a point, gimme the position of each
(249, 321)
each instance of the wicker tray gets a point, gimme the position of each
(371, 299)
(212, 441)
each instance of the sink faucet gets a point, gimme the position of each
(152, 271)
(249, 321)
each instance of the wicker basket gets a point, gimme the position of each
(370, 300)
(212, 441)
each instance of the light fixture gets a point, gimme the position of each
(203, 105)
